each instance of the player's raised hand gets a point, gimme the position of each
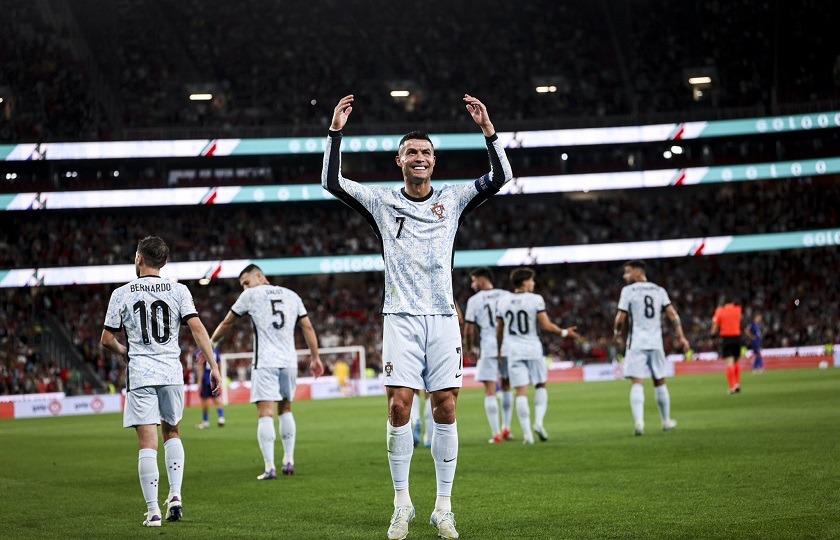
(479, 114)
(317, 367)
(342, 112)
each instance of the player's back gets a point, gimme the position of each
(151, 309)
(274, 312)
(644, 303)
(728, 319)
(481, 311)
(519, 312)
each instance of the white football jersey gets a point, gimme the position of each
(151, 309)
(481, 311)
(417, 235)
(274, 311)
(644, 302)
(518, 312)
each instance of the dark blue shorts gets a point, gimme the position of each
(206, 392)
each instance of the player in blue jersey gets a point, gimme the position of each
(421, 348)
(205, 391)
(151, 310)
(753, 332)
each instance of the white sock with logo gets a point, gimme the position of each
(400, 449)
(266, 437)
(445, 454)
(523, 411)
(288, 434)
(147, 468)
(173, 451)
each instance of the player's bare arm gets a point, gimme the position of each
(311, 339)
(675, 320)
(109, 341)
(203, 341)
(618, 326)
(223, 329)
(500, 334)
(478, 111)
(547, 326)
(342, 113)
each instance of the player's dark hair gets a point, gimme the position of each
(154, 251)
(520, 276)
(482, 272)
(248, 269)
(636, 263)
(416, 135)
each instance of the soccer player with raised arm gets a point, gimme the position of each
(275, 312)
(519, 317)
(151, 310)
(640, 308)
(480, 329)
(421, 348)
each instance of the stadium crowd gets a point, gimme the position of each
(273, 64)
(48, 239)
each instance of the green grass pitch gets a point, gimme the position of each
(762, 464)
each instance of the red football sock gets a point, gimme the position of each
(730, 376)
(737, 377)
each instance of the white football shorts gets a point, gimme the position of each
(524, 372)
(638, 362)
(149, 405)
(489, 368)
(273, 384)
(422, 352)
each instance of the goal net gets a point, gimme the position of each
(345, 373)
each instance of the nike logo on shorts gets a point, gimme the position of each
(458, 375)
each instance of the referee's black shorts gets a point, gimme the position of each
(730, 346)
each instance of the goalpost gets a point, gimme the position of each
(236, 367)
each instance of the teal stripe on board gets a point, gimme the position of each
(793, 240)
(772, 124)
(5, 150)
(767, 171)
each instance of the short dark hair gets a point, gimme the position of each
(520, 276)
(248, 269)
(415, 135)
(154, 251)
(636, 263)
(482, 272)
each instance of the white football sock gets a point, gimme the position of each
(288, 433)
(147, 468)
(266, 436)
(523, 411)
(491, 407)
(445, 454)
(663, 399)
(429, 421)
(507, 408)
(540, 405)
(173, 451)
(637, 402)
(400, 449)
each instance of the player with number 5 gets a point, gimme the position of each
(643, 303)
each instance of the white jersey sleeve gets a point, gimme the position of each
(151, 310)
(519, 312)
(274, 311)
(644, 303)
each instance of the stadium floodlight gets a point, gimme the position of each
(677, 149)
(1, 100)
(201, 97)
(546, 89)
(699, 80)
(400, 93)
(204, 281)
(667, 154)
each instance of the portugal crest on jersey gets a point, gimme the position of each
(389, 367)
(437, 209)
